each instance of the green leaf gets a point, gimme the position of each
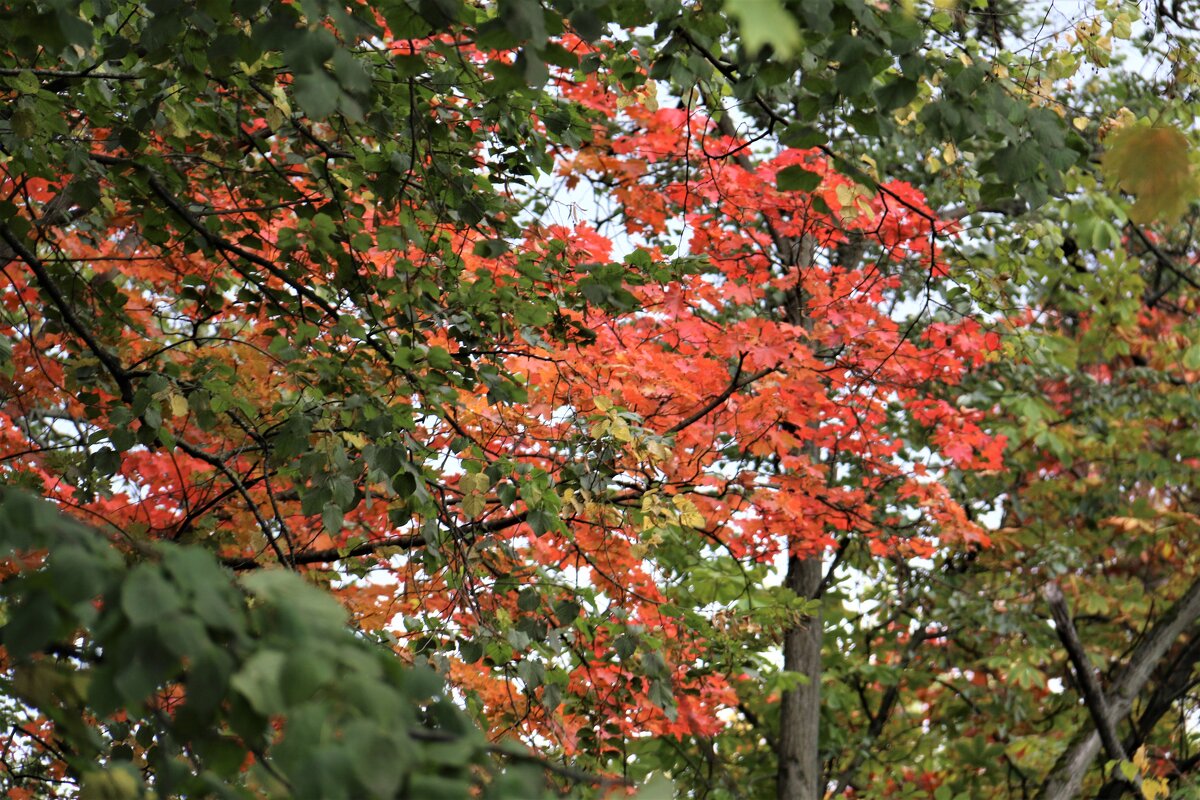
(797, 179)
(25, 82)
(288, 592)
(332, 517)
(147, 596)
(208, 679)
(318, 93)
(473, 505)
(1191, 357)
(378, 761)
(566, 612)
(855, 78)
(658, 787)
(32, 624)
(765, 23)
(183, 635)
(802, 136)
(304, 673)
(896, 93)
(435, 787)
(259, 681)
(114, 783)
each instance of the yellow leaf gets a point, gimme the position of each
(1152, 163)
(602, 403)
(355, 439)
(474, 484)
(658, 451)
(473, 505)
(689, 515)
(648, 95)
(1153, 788)
(179, 405)
(853, 201)
(1080, 123)
(1122, 26)
(872, 167)
(620, 431)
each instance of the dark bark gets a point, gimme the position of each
(799, 770)
(1085, 675)
(797, 748)
(1176, 681)
(1065, 779)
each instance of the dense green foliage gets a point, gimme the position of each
(359, 722)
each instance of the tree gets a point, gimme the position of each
(166, 668)
(278, 289)
(1092, 394)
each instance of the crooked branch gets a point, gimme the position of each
(1065, 779)
(1085, 676)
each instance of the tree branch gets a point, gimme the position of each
(734, 385)
(409, 542)
(70, 74)
(110, 362)
(1162, 258)
(1085, 676)
(1065, 779)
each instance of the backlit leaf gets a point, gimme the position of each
(1153, 164)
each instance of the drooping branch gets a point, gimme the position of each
(59, 74)
(111, 364)
(408, 542)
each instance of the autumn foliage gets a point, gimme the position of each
(543, 339)
(750, 402)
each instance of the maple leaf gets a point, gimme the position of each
(1152, 163)
(765, 22)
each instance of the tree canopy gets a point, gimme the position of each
(759, 399)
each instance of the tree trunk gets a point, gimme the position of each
(799, 776)
(796, 750)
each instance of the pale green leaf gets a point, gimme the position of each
(765, 22)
